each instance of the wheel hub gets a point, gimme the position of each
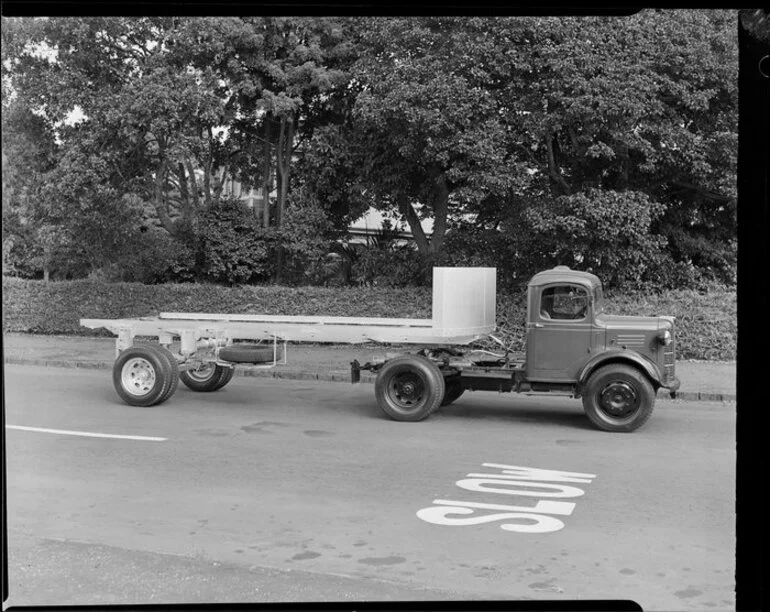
(619, 399)
(138, 376)
(203, 372)
(406, 390)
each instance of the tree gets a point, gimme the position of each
(118, 114)
(287, 81)
(167, 109)
(473, 122)
(644, 104)
(430, 136)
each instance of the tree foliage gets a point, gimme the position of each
(168, 109)
(430, 138)
(647, 104)
(605, 143)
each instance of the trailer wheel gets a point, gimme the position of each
(226, 377)
(409, 388)
(173, 366)
(454, 389)
(618, 398)
(142, 376)
(206, 377)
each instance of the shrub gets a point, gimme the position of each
(706, 320)
(384, 260)
(306, 236)
(394, 267)
(233, 246)
(155, 256)
(467, 245)
(600, 231)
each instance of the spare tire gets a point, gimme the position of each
(244, 353)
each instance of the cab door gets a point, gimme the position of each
(559, 332)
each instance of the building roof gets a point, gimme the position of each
(371, 222)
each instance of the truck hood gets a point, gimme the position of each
(634, 323)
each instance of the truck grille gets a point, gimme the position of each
(669, 358)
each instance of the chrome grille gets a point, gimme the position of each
(669, 359)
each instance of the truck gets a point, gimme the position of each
(615, 364)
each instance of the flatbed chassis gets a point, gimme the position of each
(503, 376)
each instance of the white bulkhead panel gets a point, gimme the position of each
(464, 300)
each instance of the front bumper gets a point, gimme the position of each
(672, 385)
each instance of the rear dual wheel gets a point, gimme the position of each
(409, 388)
(454, 389)
(207, 377)
(145, 375)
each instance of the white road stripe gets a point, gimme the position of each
(87, 434)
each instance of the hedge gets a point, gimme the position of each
(706, 322)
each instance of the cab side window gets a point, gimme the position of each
(564, 302)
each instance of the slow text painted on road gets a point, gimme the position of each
(512, 480)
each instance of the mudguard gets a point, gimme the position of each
(619, 356)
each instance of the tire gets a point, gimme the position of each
(243, 353)
(226, 377)
(173, 366)
(618, 398)
(409, 388)
(142, 376)
(454, 389)
(207, 377)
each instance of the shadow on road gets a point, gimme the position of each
(571, 417)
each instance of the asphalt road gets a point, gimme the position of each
(277, 490)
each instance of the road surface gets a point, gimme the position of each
(278, 490)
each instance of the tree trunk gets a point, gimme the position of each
(207, 169)
(440, 212)
(267, 176)
(440, 205)
(193, 187)
(406, 209)
(283, 167)
(554, 172)
(160, 202)
(625, 165)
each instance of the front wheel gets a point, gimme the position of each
(618, 398)
(409, 388)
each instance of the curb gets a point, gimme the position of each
(321, 376)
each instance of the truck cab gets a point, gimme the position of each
(569, 334)
(570, 338)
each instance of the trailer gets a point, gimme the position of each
(616, 364)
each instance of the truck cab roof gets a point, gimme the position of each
(563, 274)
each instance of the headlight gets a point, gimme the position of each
(665, 337)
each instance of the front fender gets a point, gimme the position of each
(619, 356)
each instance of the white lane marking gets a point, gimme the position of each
(87, 434)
